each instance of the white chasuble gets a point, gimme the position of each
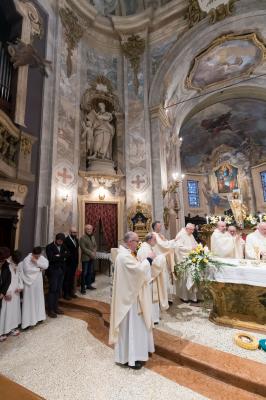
(10, 314)
(167, 248)
(33, 307)
(222, 244)
(186, 290)
(158, 288)
(255, 245)
(131, 315)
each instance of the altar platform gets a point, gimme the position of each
(239, 294)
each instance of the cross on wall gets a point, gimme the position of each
(138, 181)
(64, 175)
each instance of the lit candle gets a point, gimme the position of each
(260, 217)
(220, 218)
(207, 219)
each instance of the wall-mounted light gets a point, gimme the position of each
(101, 193)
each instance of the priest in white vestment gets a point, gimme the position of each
(166, 247)
(10, 316)
(131, 316)
(256, 243)
(158, 267)
(185, 243)
(238, 242)
(222, 243)
(33, 306)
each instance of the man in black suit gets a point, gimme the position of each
(72, 244)
(57, 255)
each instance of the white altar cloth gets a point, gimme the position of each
(246, 272)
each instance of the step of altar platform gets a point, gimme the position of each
(212, 373)
(10, 390)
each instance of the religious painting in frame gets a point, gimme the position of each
(228, 57)
(226, 176)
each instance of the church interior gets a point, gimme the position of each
(116, 114)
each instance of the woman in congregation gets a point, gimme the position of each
(10, 316)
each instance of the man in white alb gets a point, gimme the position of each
(222, 243)
(158, 266)
(33, 308)
(239, 242)
(185, 243)
(256, 243)
(166, 247)
(131, 316)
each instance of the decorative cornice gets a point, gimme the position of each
(195, 14)
(35, 19)
(73, 32)
(133, 47)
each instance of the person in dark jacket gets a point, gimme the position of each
(57, 255)
(5, 274)
(72, 244)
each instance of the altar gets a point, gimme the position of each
(239, 294)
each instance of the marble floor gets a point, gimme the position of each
(191, 323)
(61, 360)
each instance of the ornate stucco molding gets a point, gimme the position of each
(199, 9)
(73, 32)
(133, 47)
(35, 19)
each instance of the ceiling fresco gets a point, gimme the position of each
(239, 124)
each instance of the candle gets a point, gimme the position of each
(220, 218)
(260, 217)
(207, 219)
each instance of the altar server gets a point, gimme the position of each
(131, 319)
(222, 243)
(185, 243)
(166, 247)
(157, 286)
(33, 308)
(238, 242)
(256, 243)
(10, 316)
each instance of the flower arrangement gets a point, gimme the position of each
(197, 264)
(263, 218)
(250, 221)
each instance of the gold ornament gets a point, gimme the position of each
(133, 48)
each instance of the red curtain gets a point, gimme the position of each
(107, 213)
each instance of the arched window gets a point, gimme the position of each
(193, 194)
(263, 184)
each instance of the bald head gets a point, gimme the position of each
(221, 226)
(88, 229)
(131, 239)
(73, 231)
(190, 228)
(262, 228)
(232, 230)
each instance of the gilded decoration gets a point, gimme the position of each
(239, 305)
(35, 19)
(73, 33)
(227, 58)
(9, 141)
(139, 219)
(133, 48)
(25, 54)
(217, 11)
(25, 146)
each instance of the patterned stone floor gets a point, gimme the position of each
(190, 323)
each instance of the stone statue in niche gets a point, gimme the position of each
(99, 106)
(8, 147)
(99, 133)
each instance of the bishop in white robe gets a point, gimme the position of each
(185, 243)
(10, 316)
(256, 243)
(131, 317)
(166, 247)
(33, 306)
(222, 243)
(158, 293)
